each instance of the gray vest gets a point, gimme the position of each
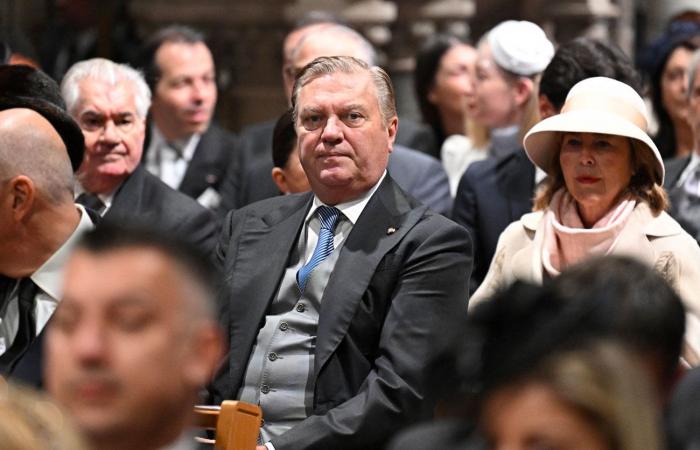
(281, 366)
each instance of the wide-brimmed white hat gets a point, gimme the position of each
(595, 105)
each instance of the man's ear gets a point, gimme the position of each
(280, 180)
(546, 107)
(392, 128)
(523, 87)
(23, 195)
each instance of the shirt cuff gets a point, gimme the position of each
(269, 446)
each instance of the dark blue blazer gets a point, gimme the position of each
(491, 194)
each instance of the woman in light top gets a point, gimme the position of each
(604, 195)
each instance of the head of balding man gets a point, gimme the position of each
(33, 156)
(327, 40)
(36, 192)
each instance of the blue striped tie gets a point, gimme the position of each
(324, 247)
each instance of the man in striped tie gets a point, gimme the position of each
(336, 301)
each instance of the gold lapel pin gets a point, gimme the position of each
(390, 230)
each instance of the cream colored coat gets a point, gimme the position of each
(659, 241)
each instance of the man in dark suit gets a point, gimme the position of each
(337, 301)
(419, 175)
(109, 101)
(185, 149)
(40, 223)
(682, 180)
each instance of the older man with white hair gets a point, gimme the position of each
(110, 102)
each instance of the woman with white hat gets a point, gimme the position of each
(510, 59)
(604, 195)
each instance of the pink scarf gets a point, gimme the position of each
(566, 240)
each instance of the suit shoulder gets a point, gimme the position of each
(170, 196)
(278, 203)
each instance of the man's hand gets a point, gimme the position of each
(260, 447)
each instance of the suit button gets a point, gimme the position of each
(284, 326)
(301, 307)
(272, 356)
(265, 389)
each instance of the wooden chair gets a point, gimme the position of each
(236, 424)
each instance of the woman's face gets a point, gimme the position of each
(494, 104)
(674, 84)
(454, 81)
(533, 417)
(596, 169)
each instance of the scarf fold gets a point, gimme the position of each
(566, 241)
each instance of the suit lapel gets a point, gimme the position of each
(269, 238)
(128, 197)
(199, 174)
(368, 242)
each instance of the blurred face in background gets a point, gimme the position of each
(495, 102)
(185, 95)
(453, 89)
(674, 82)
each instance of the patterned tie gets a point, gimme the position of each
(324, 247)
(92, 201)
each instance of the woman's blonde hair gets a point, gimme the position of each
(642, 186)
(608, 389)
(30, 421)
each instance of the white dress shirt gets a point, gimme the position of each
(169, 160)
(49, 280)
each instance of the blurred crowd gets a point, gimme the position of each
(519, 269)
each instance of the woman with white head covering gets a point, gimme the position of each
(604, 195)
(510, 59)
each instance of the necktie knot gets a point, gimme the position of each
(328, 216)
(92, 201)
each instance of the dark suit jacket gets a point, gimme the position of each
(419, 175)
(491, 194)
(391, 304)
(674, 167)
(689, 219)
(209, 161)
(143, 199)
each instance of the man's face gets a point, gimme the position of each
(344, 144)
(185, 95)
(119, 354)
(113, 131)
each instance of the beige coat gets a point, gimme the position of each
(659, 241)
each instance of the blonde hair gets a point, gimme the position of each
(642, 186)
(30, 421)
(607, 388)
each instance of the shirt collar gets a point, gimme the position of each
(690, 168)
(49, 277)
(352, 209)
(106, 198)
(185, 147)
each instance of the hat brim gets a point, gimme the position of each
(543, 140)
(70, 132)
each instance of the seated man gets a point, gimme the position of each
(338, 299)
(40, 223)
(110, 101)
(134, 340)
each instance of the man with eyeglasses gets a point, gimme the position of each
(110, 101)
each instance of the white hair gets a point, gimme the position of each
(109, 72)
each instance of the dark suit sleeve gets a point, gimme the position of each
(465, 212)
(427, 281)
(433, 188)
(201, 228)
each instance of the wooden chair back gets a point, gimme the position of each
(236, 425)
